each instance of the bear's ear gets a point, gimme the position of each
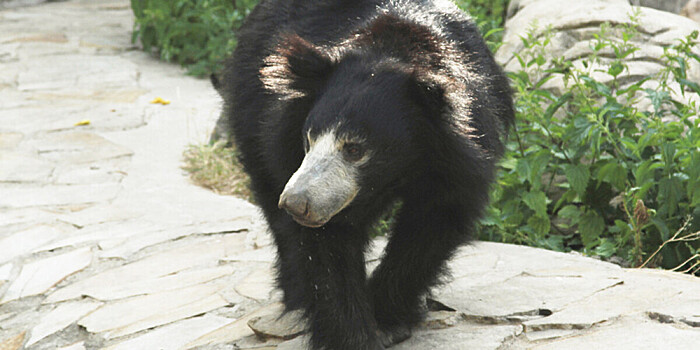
(428, 92)
(296, 68)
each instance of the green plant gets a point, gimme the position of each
(195, 34)
(587, 170)
(489, 15)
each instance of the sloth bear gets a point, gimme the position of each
(342, 108)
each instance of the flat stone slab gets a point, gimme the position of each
(39, 276)
(60, 318)
(136, 314)
(157, 272)
(627, 333)
(77, 147)
(78, 72)
(13, 343)
(24, 167)
(288, 326)
(173, 336)
(26, 196)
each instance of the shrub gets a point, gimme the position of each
(199, 34)
(587, 170)
(490, 15)
(195, 34)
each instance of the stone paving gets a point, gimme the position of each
(105, 244)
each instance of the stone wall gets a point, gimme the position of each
(673, 6)
(573, 23)
(19, 3)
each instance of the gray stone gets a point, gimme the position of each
(39, 276)
(56, 195)
(173, 336)
(286, 326)
(673, 6)
(535, 336)
(77, 147)
(5, 272)
(295, 344)
(10, 140)
(258, 285)
(640, 292)
(23, 167)
(14, 342)
(75, 346)
(121, 247)
(463, 336)
(28, 240)
(629, 333)
(132, 315)
(573, 25)
(235, 330)
(60, 318)
(151, 271)
(265, 254)
(441, 319)
(78, 72)
(692, 10)
(108, 171)
(524, 294)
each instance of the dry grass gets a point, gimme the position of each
(216, 167)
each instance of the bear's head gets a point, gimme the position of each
(372, 119)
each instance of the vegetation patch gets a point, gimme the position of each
(195, 34)
(216, 167)
(587, 170)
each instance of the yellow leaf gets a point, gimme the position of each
(160, 101)
(82, 122)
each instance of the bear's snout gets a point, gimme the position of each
(299, 206)
(295, 204)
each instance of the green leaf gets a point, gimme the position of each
(553, 242)
(536, 201)
(556, 105)
(691, 84)
(571, 212)
(539, 224)
(578, 176)
(645, 171)
(669, 154)
(523, 169)
(537, 164)
(614, 174)
(606, 248)
(590, 226)
(616, 68)
(600, 88)
(670, 194)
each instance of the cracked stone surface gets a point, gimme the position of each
(105, 244)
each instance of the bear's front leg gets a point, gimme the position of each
(322, 272)
(425, 237)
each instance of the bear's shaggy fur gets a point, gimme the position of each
(340, 109)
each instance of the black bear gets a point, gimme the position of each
(342, 108)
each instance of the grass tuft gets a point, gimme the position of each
(216, 167)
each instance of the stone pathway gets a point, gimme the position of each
(104, 243)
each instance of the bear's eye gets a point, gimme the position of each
(353, 152)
